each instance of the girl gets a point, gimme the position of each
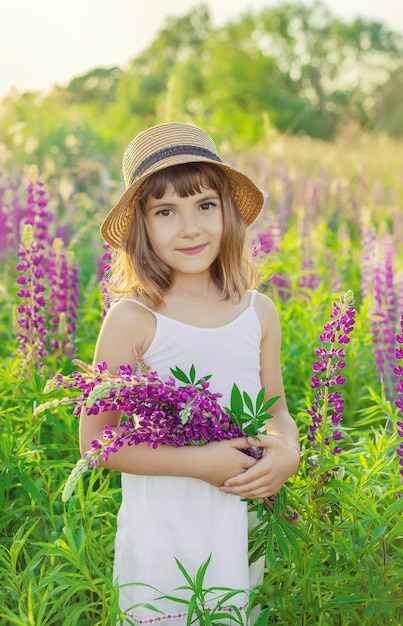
(185, 282)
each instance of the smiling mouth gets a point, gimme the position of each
(194, 250)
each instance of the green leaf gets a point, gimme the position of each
(262, 619)
(184, 572)
(197, 383)
(269, 403)
(192, 606)
(282, 542)
(287, 529)
(369, 610)
(180, 375)
(236, 399)
(248, 402)
(29, 486)
(260, 398)
(250, 429)
(201, 572)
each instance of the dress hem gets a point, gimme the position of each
(164, 618)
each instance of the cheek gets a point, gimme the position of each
(153, 232)
(219, 226)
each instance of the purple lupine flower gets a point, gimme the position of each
(63, 297)
(390, 312)
(157, 412)
(73, 289)
(32, 335)
(36, 211)
(399, 291)
(12, 213)
(261, 245)
(398, 371)
(280, 283)
(368, 260)
(309, 278)
(268, 238)
(328, 403)
(384, 316)
(32, 268)
(378, 322)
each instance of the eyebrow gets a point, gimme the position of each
(200, 200)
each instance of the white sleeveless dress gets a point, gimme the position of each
(163, 517)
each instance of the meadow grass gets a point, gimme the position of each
(333, 539)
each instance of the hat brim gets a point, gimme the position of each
(248, 198)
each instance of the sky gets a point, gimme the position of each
(48, 42)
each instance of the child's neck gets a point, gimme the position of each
(202, 306)
(191, 286)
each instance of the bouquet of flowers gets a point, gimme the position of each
(157, 411)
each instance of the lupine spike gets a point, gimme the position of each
(328, 404)
(27, 235)
(80, 468)
(398, 371)
(32, 310)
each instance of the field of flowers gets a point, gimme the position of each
(330, 253)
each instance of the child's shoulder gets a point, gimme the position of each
(267, 312)
(130, 320)
(265, 304)
(125, 309)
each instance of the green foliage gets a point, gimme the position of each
(332, 541)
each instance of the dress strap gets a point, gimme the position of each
(135, 302)
(252, 298)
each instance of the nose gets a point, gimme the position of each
(190, 225)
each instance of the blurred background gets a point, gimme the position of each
(78, 82)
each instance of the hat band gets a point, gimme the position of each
(162, 154)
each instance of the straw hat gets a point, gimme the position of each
(170, 144)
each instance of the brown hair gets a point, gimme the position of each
(137, 269)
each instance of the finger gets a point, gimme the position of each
(241, 442)
(262, 441)
(243, 482)
(262, 492)
(252, 474)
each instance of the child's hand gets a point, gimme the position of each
(266, 476)
(221, 459)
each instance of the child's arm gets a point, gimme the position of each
(123, 327)
(281, 443)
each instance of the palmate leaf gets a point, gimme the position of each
(248, 416)
(190, 379)
(180, 375)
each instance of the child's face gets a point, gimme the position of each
(185, 233)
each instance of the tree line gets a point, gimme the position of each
(292, 67)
